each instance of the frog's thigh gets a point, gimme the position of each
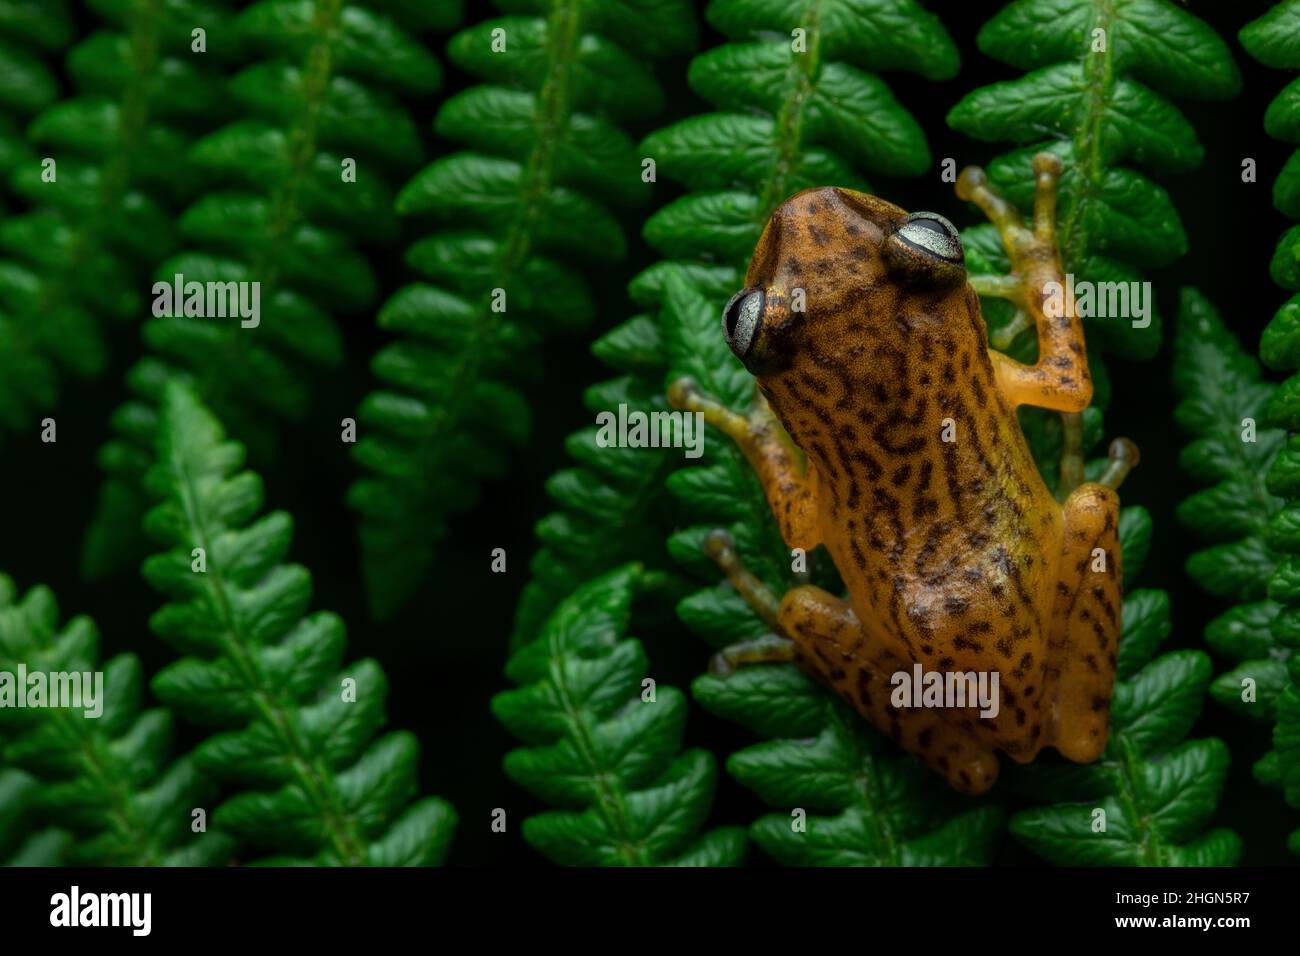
(835, 646)
(1084, 636)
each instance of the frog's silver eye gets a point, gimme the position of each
(741, 320)
(932, 233)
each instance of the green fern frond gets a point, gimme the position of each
(31, 33)
(1099, 74)
(77, 260)
(278, 211)
(1147, 800)
(1274, 39)
(786, 120)
(605, 743)
(104, 778)
(1223, 403)
(297, 727)
(524, 213)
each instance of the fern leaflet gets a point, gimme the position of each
(1223, 399)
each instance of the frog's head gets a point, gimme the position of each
(838, 279)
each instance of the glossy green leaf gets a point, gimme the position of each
(1274, 38)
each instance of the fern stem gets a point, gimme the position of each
(871, 802)
(610, 796)
(789, 121)
(133, 114)
(1128, 798)
(285, 213)
(1099, 69)
(284, 203)
(315, 781)
(564, 30)
(125, 822)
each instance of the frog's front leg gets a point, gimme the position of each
(790, 489)
(1060, 379)
(820, 633)
(1083, 638)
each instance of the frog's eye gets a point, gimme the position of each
(741, 320)
(932, 233)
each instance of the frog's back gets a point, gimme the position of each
(950, 555)
(929, 499)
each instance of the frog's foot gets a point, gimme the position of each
(1123, 459)
(721, 547)
(768, 649)
(820, 633)
(1030, 250)
(685, 393)
(764, 443)
(1060, 379)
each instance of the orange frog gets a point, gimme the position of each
(867, 344)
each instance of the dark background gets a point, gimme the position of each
(444, 654)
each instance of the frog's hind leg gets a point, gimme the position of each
(1084, 635)
(820, 633)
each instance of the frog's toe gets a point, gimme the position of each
(969, 767)
(1083, 738)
